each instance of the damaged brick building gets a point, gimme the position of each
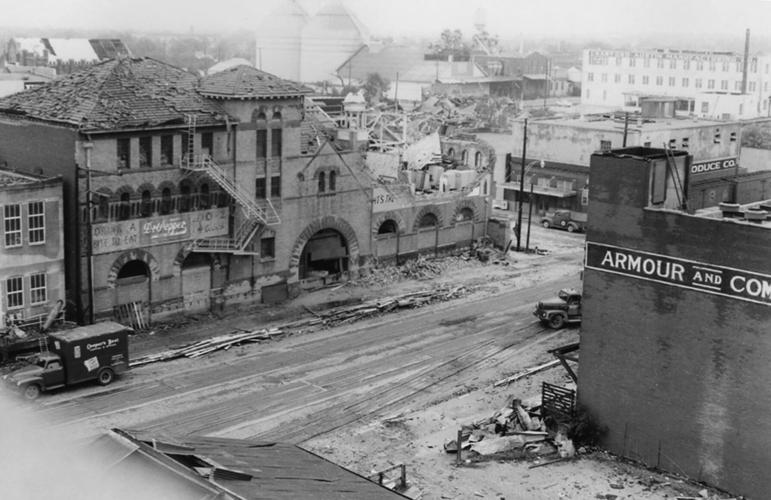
(185, 194)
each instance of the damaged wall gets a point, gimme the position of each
(677, 372)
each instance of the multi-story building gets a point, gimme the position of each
(676, 315)
(32, 250)
(706, 84)
(565, 145)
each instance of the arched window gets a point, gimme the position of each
(387, 227)
(184, 197)
(332, 179)
(147, 204)
(322, 182)
(103, 208)
(451, 153)
(464, 157)
(125, 206)
(275, 136)
(204, 198)
(478, 159)
(465, 214)
(428, 220)
(165, 201)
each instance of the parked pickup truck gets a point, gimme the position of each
(562, 309)
(95, 352)
(565, 219)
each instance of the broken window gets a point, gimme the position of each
(387, 227)
(124, 153)
(145, 152)
(605, 145)
(167, 150)
(268, 248)
(428, 220)
(260, 188)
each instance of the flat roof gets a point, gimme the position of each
(603, 122)
(757, 213)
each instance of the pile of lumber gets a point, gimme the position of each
(206, 346)
(329, 317)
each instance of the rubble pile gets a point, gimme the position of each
(515, 431)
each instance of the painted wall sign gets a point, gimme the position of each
(683, 273)
(137, 233)
(712, 165)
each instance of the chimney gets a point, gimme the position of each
(746, 60)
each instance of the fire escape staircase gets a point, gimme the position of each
(256, 214)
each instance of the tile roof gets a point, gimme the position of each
(247, 82)
(117, 94)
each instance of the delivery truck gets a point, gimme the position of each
(96, 352)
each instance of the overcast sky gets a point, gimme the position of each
(506, 18)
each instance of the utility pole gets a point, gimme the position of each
(521, 186)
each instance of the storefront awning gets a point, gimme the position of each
(542, 190)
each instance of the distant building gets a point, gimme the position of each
(707, 84)
(292, 44)
(64, 54)
(17, 78)
(676, 315)
(567, 144)
(32, 249)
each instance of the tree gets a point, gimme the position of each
(374, 87)
(450, 43)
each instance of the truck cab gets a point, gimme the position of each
(558, 311)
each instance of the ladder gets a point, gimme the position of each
(190, 146)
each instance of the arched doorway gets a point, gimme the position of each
(196, 281)
(325, 254)
(132, 292)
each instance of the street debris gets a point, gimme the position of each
(330, 317)
(527, 373)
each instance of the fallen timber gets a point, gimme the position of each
(331, 317)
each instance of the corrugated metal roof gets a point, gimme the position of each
(248, 82)
(117, 94)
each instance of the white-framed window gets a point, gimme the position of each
(604, 77)
(752, 86)
(36, 222)
(37, 289)
(14, 292)
(685, 82)
(710, 84)
(645, 80)
(631, 79)
(697, 83)
(671, 81)
(659, 80)
(723, 84)
(12, 225)
(616, 78)
(590, 77)
(686, 64)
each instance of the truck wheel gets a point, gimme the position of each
(105, 376)
(556, 321)
(571, 228)
(32, 391)
(545, 223)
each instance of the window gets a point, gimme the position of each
(752, 86)
(716, 138)
(686, 64)
(705, 107)
(725, 66)
(646, 62)
(685, 82)
(184, 197)
(145, 152)
(187, 146)
(322, 182)
(645, 80)
(684, 144)
(464, 157)
(604, 95)
(124, 153)
(616, 78)
(36, 222)
(147, 204)
(710, 83)
(12, 225)
(754, 65)
(332, 180)
(672, 143)
(732, 137)
(673, 64)
(204, 196)
(207, 143)
(659, 63)
(125, 206)
(631, 79)
(590, 77)
(275, 185)
(618, 60)
(14, 292)
(260, 188)
(37, 289)
(671, 81)
(268, 248)
(632, 62)
(605, 145)
(659, 80)
(262, 143)
(697, 83)
(167, 149)
(699, 65)
(712, 66)
(275, 142)
(723, 84)
(165, 201)
(604, 77)
(737, 86)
